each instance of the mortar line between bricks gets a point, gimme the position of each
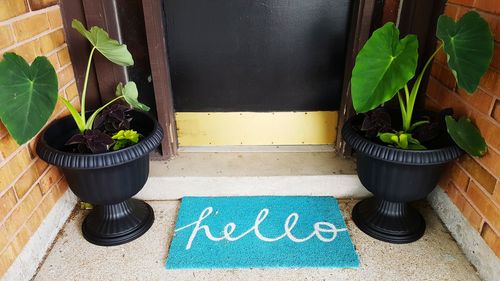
(490, 196)
(11, 186)
(29, 14)
(483, 217)
(31, 214)
(488, 117)
(32, 39)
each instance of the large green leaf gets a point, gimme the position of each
(110, 48)
(466, 135)
(383, 66)
(130, 94)
(28, 95)
(469, 46)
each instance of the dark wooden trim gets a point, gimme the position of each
(79, 51)
(420, 17)
(361, 23)
(160, 73)
(390, 11)
(104, 14)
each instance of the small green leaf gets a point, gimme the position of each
(385, 137)
(130, 93)
(403, 141)
(469, 46)
(466, 135)
(86, 206)
(28, 95)
(383, 66)
(110, 48)
(124, 138)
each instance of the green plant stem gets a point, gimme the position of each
(402, 107)
(414, 91)
(85, 83)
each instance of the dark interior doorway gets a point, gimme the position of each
(262, 55)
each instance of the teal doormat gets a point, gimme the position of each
(261, 232)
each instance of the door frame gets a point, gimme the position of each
(366, 15)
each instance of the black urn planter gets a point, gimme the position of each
(107, 180)
(395, 177)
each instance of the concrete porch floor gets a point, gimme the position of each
(434, 257)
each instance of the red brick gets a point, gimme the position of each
(490, 6)
(49, 42)
(484, 205)
(30, 26)
(472, 216)
(48, 202)
(459, 177)
(22, 237)
(4, 238)
(35, 220)
(494, 22)
(63, 56)
(23, 211)
(495, 63)
(55, 18)
(71, 91)
(7, 258)
(456, 197)
(451, 10)
(7, 201)
(496, 193)
(468, 3)
(13, 168)
(496, 111)
(478, 173)
(491, 161)
(491, 82)
(40, 4)
(49, 179)
(7, 146)
(26, 181)
(478, 100)
(41, 166)
(65, 76)
(488, 128)
(27, 51)
(3, 130)
(444, 75)
(6, 36)
(12, 8)
(491, 238)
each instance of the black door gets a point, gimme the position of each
(256, 55)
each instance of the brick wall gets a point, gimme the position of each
(29, 188)
(473, 183)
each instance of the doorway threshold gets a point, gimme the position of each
(258, 148)
(255, 173)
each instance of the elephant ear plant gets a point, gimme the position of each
(386, 67)
(29, 95)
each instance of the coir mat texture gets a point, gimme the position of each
(261, 232)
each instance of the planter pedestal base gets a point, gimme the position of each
(394, 222)
(109, 225)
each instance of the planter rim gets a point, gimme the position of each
(397, 155)
(70, 160)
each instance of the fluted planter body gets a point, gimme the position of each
(395, 177)
(107, 180)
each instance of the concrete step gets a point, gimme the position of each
(266, 172)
